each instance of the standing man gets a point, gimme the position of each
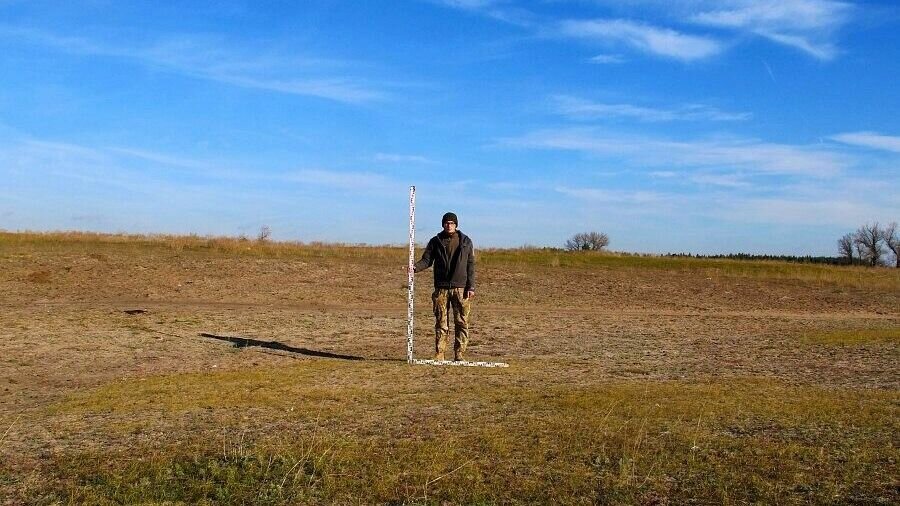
(453, 256)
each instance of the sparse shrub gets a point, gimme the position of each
(264, 233)
(588, 241)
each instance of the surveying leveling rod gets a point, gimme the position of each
(412, 275)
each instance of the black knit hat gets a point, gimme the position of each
(449, 217)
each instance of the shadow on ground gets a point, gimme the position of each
(245, 342)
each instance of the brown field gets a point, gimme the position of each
(632, 380)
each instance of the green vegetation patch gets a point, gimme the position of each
(304, 384)
(423, 436)
(852, 337)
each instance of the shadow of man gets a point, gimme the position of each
(245, 342)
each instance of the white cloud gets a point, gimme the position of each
(607, 59)
(650, 39)
(749, 155)
(822, 50)
(339, 90)
(802, 24)
(615, 196)
(806, 25)
(55, 162)
(584, 109)
(820, 206)
(398, 158)
(790, 211)
(338, 179)
(213, 59)
(781, 15)
(469, 4)
(161, 158)
(872, 140)
(501, 10)
(726, 180)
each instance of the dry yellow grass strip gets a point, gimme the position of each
(850, 337)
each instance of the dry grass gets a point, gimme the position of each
(854, 276)
(760, 269)
(633, 380)
(854, 337)
(739, 441)
(94, 242)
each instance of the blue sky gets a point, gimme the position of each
(702, 126)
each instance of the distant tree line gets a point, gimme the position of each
(871, 244)
(805, 259)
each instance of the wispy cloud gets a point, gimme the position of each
(578, 108)
(501, 10)
(813, 206)
(872, 140)
(789, 15)
(792, 211)
(805, 25)
(338, 179)
(213, 58)
(160, 158)
(802, 24)
(142, 171)
(54, 162)
(337, 89)
(607, 59)
(398, 158)
(820, 50)
(747, 154)
(614, 196)
(663, 42)
(726, 180)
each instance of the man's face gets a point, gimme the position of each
(450, 227)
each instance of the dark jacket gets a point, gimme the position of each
(456, 272)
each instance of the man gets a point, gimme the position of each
(453, 256)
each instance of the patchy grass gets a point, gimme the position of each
(708, 267)
(851, 337)
(136, 408)
(737, 441)
(95, 245)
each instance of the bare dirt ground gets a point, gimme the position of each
(66, 332)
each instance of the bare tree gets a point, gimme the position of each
(845, 247)
(860, 249)
(868, 242)
(265, 232)
(891, 237)
(588, 241)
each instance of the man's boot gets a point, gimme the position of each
(459, 354)
(440, 344)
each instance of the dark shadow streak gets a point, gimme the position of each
(244, 342)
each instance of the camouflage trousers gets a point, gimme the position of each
(445, 300)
